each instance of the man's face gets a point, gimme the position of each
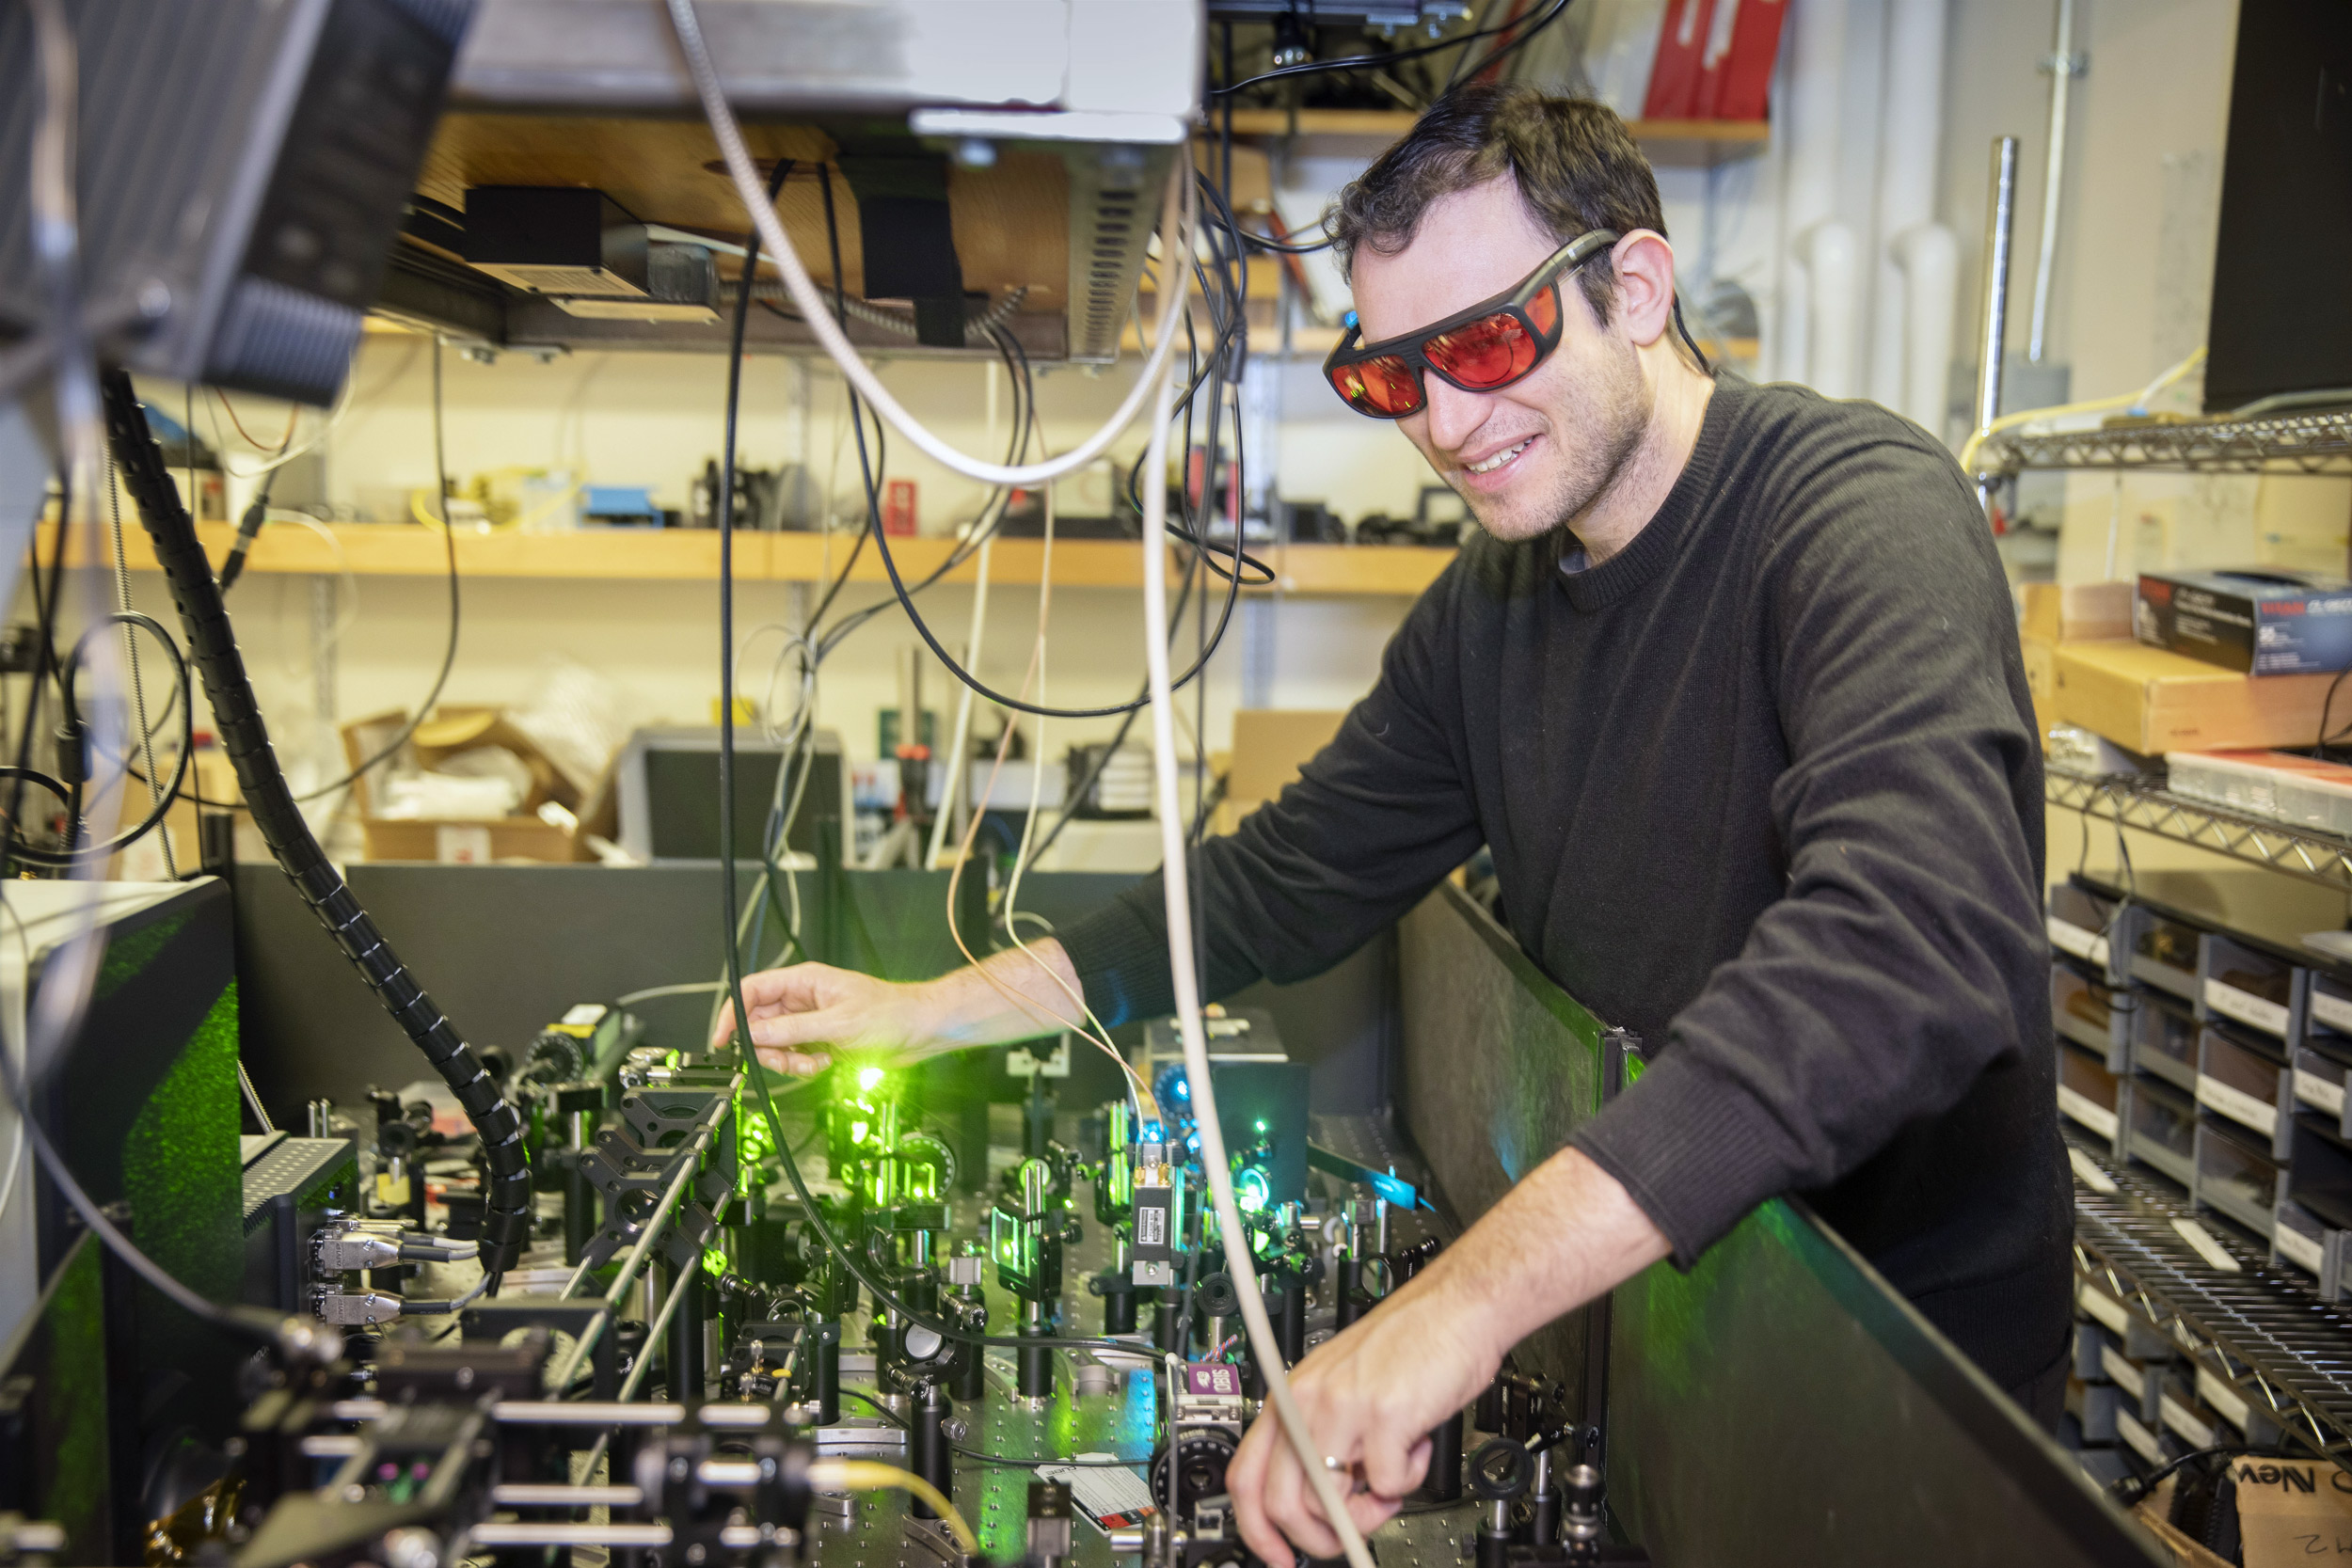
(1536, 453)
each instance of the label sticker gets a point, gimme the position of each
(2177, 1416)
(2088, 1173)
(1150, 1225)
(2088, 946)
(2227, 1401)
(2207, 1248)
(2236, 1104)
(2333, 1011)
(2097, 1118)
(1214, 1380)
(2104, 1308)
(2299, 1249)
(2245, 1007)
(2142, 1441)
(2312, 1089)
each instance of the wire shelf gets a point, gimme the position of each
(2290, 443)
(2137, 803)
(2261, 1330)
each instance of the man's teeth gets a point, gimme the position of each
(1499, 459)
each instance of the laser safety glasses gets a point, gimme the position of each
(1481, 349)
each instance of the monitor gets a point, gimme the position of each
(2281, 331)
(666, 782)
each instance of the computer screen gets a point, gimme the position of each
(2282, 320)
(669, 795)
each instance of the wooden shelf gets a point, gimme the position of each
(1679, 142)
(692, 554)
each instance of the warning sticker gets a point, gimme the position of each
(1112, 1495)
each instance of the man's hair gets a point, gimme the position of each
(1575, 162)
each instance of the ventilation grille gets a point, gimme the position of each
(1113, 197)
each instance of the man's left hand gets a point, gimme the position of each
(1566, 1234)
(1371, 1397)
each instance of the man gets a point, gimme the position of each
(1731, 689)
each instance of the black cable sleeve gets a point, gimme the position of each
(244, 735)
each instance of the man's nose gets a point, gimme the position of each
(1455, 415)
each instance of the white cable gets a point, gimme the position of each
(817, 313)
(1238, 1263)
(963, 713)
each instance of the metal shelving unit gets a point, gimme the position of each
(2290, 443)
(2258, 1331)
(2136, 803)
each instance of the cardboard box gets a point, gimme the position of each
(2263, 622)
(1270, 746)
(2149, 700)
(467, 841)
(2292, 1510)
(507, 838)
(2076, 612)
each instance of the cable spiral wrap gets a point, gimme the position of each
(244, 738)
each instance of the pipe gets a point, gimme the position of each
(1999, 218)
(2064, 66)
(1910, 147)
(1815, 94)
(1927, 258)
(1833, 278)
(237, 718)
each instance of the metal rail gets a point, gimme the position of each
(2289, 443)
(2133, 803)
(2261, 1330)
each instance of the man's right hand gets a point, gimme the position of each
(804, 1017)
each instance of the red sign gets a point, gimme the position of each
(899, 507)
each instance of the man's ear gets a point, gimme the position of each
(1645, 265)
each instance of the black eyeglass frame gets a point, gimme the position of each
(1511, 302)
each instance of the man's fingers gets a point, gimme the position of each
(786, 1031)
(1393, 1465)
(1371, 1511)
(792, 1063)
(1244, 1481)
(1290, 1507)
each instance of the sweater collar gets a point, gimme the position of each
(1593, 588)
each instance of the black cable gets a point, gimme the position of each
(906, 600)
(1366, 62)
(44, 663)
(70, 857)
(244, 738)
(248, 527)
(1503, 51)
(2131, 1489)
(753, 1069)
(449, 654)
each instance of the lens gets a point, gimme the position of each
(1384, 386)
(1492, 351)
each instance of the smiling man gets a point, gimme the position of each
(1730, 686)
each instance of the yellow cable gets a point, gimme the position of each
(872, 1475)
(2094, 406)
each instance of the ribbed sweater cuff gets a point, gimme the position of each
(1122, 960)
(1695, 1153)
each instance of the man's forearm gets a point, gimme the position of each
(1010, 995)
(1567, 1234)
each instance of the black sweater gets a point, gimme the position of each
(1764, 788)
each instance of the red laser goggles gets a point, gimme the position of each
(1482, 349)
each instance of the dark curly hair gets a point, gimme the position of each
(1574, 160)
